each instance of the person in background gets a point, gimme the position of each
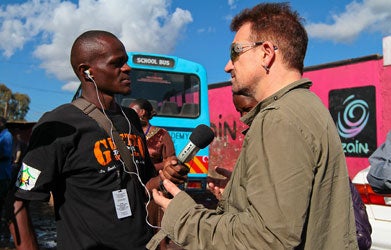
(159, 142)
(290, 187)
(243, 104)
(99, 202)
(379, 175)
(6, 142)
(19, 150)
(160, 147)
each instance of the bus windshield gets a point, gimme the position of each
(171, 94)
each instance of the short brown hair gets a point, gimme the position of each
(277, 23)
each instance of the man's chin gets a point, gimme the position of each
(125, 91)
(241, 91)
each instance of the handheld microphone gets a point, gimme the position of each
(201, 137)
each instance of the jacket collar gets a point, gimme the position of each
(269, 101)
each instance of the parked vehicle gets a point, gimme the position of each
(379, 211)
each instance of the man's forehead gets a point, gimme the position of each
(243, 33)
(112, 48)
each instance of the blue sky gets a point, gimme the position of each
(36, 36)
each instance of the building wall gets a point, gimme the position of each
(358, 75)
(225, 148)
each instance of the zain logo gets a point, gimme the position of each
(354, 118)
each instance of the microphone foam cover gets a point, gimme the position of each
(202, 136)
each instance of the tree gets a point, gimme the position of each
(5, 97)
(13, 106)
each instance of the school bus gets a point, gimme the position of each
(178, 91)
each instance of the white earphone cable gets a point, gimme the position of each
(131, 149)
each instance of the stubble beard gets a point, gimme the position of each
(241, 89)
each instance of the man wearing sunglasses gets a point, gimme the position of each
(290, 186)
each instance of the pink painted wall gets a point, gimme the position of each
(384, 103)
(366, 73)
(348, 74)
(225, 122)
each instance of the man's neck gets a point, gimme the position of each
(105, 102)
(275, 82)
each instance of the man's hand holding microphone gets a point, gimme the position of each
(201, 137)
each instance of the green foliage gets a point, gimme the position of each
(13, 106)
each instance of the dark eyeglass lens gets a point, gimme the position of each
(234, 53)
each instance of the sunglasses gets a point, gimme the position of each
(239, 48)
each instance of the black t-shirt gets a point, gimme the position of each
(72, 157)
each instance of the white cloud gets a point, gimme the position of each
(140, 25)
(232, 4)
(71, 86)
(367, 16)
(21, 23)
(208, 29)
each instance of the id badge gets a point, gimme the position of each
(121, 203)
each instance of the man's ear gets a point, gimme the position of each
(268, 53)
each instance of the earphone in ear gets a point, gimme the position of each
(88, 74)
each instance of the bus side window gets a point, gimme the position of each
(189, 110)
(154, 105)
(169, 108)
